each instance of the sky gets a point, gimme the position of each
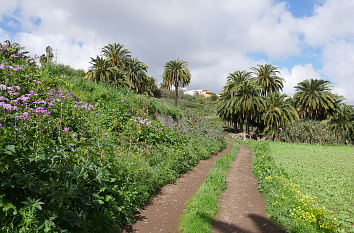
(304, 38)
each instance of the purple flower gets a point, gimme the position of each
(75, 105)
(23, 98)
(91, 139)
(3, 87)
(50, 104)
(2, 66)
(66, 130)
(0, 125)
(2, 98)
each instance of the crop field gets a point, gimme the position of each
(325, 172)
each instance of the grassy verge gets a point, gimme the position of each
(322, 171)
(203, 206)
(287, 202)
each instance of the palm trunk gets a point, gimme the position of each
(176, 91)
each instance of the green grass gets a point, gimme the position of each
(326, 172)
(203, 206)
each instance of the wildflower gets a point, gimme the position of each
(91, 139)
(3, 87)
(2, 98)
(2, 66)
(0, 125)
(66, 130)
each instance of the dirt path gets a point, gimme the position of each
(241, 207)
(162, 214)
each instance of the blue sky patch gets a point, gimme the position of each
(10, 24)
(302, 8)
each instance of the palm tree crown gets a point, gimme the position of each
(278, 113)
(176, 74)
(314, 99)
(116, 54)
(267, 77)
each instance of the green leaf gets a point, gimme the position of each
(10, 149)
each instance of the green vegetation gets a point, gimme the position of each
(83, 156)
(307, 188)
(252, 99)
(322, 171)
(117, 68)
(203, 206)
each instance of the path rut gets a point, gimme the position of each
(241, 207)
(164, 211)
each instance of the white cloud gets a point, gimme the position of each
(297, 74)
(213, 36)
(338, 58)
(333, 20)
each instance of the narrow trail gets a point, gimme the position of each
(163, 212)
(241, 207)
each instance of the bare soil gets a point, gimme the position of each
(241, 207)
(163, 212)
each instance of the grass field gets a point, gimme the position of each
(326, 172)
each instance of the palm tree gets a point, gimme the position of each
(267, 77)
(137, 73)
(116, 54)
(247, 103)
(235, 79)
(313, 99)
(278, 113)
(342, 123)
(226, 109)
(176, 74)
(100, 70)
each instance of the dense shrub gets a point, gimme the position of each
(78, 156)
(312, 132)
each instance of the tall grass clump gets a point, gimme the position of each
(285, 203)
(78, 156)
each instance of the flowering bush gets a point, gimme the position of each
(77, 156)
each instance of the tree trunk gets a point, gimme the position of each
(235, 126)
(176, 91)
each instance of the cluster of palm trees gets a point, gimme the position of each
(253, 99)
(116, 67)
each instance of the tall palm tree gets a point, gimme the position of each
(116, 54)
(279, 112)
(267, 77)
(226, 110)
(100, 70)
(137, 73)
(313, 99)
(176, 74)
(247, 103)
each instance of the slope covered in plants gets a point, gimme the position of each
(79, 156)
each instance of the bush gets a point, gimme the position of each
(312, 132)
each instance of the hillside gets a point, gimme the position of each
(81, 156)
